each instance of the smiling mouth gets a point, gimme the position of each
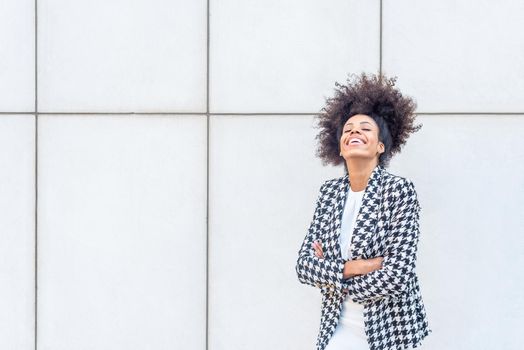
(355, 142)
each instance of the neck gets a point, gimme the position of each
(359, 173)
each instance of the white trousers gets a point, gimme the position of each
(348, 337)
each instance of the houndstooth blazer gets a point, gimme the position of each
(387, 225)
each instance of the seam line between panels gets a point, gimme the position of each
(35, 334)
(380, 38)
(207, 174)
(234, 113)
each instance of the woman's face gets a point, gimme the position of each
(360, 138)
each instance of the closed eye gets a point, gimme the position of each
(362, 129)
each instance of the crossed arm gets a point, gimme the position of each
(313, 270)
(392, 279)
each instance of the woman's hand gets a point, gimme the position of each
(362, 266)
(317, 245)
(372, 264)
(353, 267)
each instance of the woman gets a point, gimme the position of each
(360, 248)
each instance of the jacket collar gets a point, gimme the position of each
(365, 225)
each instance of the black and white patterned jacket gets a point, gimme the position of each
(387, 225)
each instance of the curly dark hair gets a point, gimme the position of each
(372, 95)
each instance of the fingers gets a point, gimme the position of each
(377, 263)
(317, 245)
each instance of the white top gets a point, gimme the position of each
(352, 314)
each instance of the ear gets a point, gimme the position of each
(381, 147)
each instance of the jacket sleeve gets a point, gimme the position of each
(312, 270)
(398, 266)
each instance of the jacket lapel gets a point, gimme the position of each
(367, 217)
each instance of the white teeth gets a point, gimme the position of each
(356, 141)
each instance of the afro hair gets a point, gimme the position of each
(372, 95)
